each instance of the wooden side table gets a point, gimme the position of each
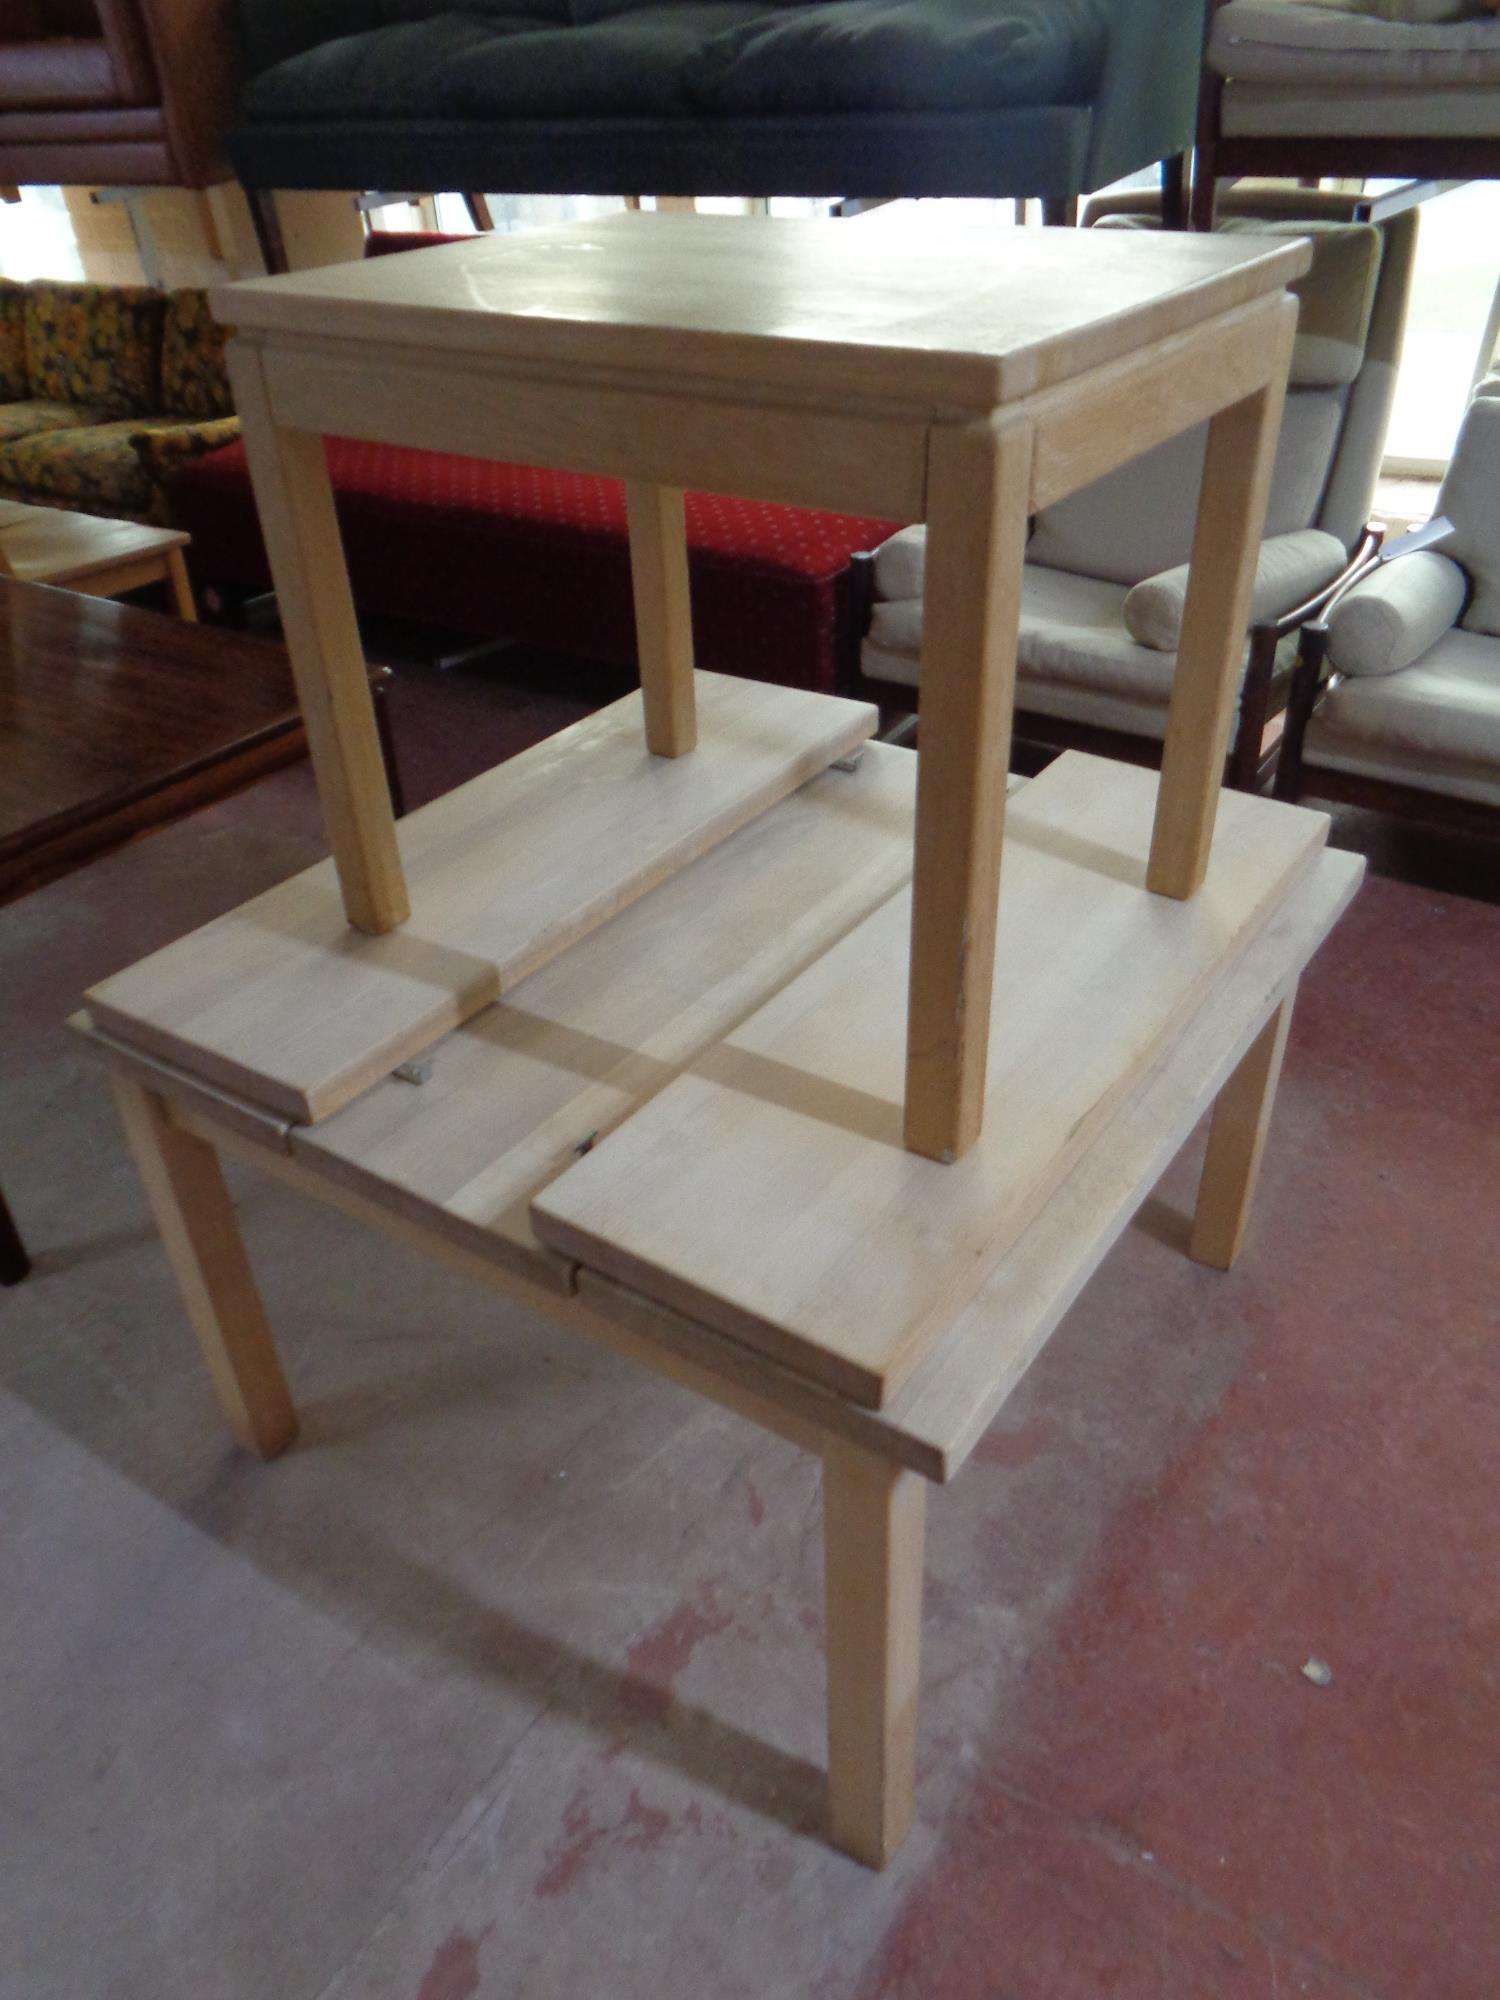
(687, 1027)
(86, 553)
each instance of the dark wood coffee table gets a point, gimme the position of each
(114, 720)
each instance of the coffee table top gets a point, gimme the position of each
(55, 545)
(940, 315)
(102, 705)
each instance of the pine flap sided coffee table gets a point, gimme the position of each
(715, 1057)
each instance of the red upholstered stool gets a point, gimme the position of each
(543, 557)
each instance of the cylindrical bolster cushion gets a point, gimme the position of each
(1392, 618)
(1290, 569)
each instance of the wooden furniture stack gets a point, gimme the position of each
(689, 1027)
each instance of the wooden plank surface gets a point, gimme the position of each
(957, 315)
(934, 1421)
(280, 1001)
(579, 1045)
(767, 1192)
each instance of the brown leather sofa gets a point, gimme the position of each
(117, 93)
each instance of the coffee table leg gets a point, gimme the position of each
(979, 491)
(14, 1263)
(873, 1518)
(207, 1253)
(1205, 685)
(295, 501)
(181, 587)
(1236, 1140)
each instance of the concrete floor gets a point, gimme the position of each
(507, 1682)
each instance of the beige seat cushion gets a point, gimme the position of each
(1279, 41)
(1436, 723)
(1075, 658)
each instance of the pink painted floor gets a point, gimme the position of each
(506, 1682)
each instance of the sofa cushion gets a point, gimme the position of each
(1470, 497)
(864, 55)
(1446, 707)
(1289, 570)
(1269, 41)
(28, 419)
(1396, 614)
(1072, 631)
(97, 345)
(676, 57)
(469, 66)
(194, 379)
(1139, 520)
(94, 469)
(271, 31)
(14, 382)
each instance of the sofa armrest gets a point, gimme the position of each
(129, 58)
(195, 49)
(1148, 96)
(163, 449)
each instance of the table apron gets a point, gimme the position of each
(853, 463)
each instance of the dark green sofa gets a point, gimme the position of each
(761, 97)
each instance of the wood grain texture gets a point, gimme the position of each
(294, 500)
(516, 1092)
(113, 718)
(978, 484)
(207, 1253)
(279, 1002)
(767, 1191)
(1236, 1142)
(953, 316)
(663, 615)
(1237, 471)
(874, 1517)
(934, 1421)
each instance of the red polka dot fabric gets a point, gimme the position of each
(543, 557)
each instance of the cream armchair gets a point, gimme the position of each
(1106, 569)
(1396, 702)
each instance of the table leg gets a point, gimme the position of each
(207, 1253)
(1226, 545)
(663, 615)
(295, 501)
(14, 1263)
(181, 587)
(873, 1516)
(979, 483)
(1236, 1140)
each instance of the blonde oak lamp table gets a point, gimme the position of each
(689, 1027)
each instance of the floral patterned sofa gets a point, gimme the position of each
(104, 391)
